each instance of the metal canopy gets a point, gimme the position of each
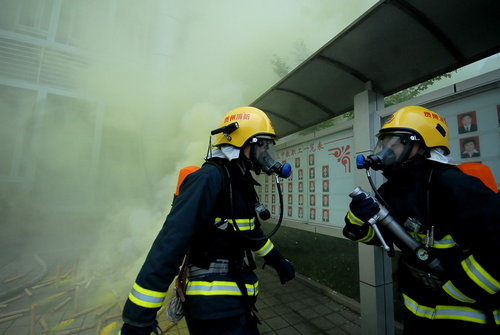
(394, 45)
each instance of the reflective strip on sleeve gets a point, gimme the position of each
(198, 287)
(266, 248)
(243, 224)
(442, 312)
(146, 298)
(445, 243)
(455, 293)
(496, 316)
(353, 219)
(480, 276)
(369, 235)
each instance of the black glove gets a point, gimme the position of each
(363, 208)
(283, 267)
(128, 329)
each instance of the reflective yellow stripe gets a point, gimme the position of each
(146, 298)
(442, 312)
(455, 293)
(354, 219)
(198, 287)
(480, 276)
(266, 248)
(445, 243)
(496, 316)
(368, 236)
(243, 224)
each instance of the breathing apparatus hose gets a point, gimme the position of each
(235, 225)
(422, 253)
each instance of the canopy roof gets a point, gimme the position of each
(394, 45)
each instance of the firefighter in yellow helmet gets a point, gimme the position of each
(214, 220)
(451, 213)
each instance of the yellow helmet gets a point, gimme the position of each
(252, 122)
(430, 126)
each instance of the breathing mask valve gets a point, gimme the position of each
(262, 156)
(270, 166)
(372, 161)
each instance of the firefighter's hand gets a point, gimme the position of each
(128, 329)
(283, 267)
(362, 209)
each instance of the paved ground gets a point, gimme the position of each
(56, 304)
(300, 307)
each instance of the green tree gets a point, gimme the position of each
(280, 67)
(411, 92)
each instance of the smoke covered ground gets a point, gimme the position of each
(99, 166)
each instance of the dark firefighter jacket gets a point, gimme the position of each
(203, 200)
(466, 219)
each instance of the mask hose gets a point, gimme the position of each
(235, 225)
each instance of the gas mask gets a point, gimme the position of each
(392, 150)
(262, 156)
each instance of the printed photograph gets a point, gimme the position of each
(326, 185)
(324, 171)
(312, 213)
(326, 215)
(469, 147)
(467, 122)
(311, 173)
(312, 186)
(312, 200)
(311, 159)
(326, 200)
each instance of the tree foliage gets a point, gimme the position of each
(282, 67)
(411, 92)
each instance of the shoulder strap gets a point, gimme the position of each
(480, 171)
(220, 164)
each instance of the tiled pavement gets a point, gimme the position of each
(302, 307)
(299, 307)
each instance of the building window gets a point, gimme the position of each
(33, 17)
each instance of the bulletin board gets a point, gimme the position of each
(317, 192)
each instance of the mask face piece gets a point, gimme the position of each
(392, 150)
(262, 156)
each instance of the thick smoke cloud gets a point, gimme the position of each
(154, 83)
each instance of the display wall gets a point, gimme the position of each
(317, 193)
(322, 177)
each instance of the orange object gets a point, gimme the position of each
(480, 171)
(183, 174)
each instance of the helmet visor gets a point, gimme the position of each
(393, 149)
